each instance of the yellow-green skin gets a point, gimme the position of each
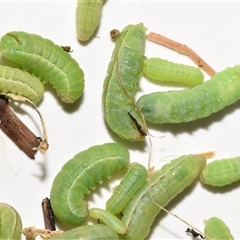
(20, 83)
(221, 172)
(45, 60)
(162, 70)
(131, 183)
(198, 102)
(108, 218)
(166, 184)
(80, 175)
(88, 15)
(121, 83)
(10, 223)
(216, 229)
(88, 232)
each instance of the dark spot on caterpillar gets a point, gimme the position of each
(18, 41)
(139, 127)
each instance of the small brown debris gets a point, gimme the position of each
(48, 215)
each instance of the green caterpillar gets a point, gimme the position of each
(88, 232)
(216, 229)
(10, 223)
(81, 174)
(121, 82)
(221, 172)
(15, 82)
(88, 15)
(47, 61)
(188, 105)
(131, 183)
(172, 179)
(108, 218)
(163, 70)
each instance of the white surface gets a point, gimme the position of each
(211, 29)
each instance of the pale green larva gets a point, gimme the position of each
(165, 71)
(80, 175)
(88, 232)
(10, 223)
(121, 84)
(131, 183)
(216, 229)
(88, 15)
(22, 86)
(188, 105)
(221, 172)
(47, 61)
(108, 218)
(14, 81)
(172, 179)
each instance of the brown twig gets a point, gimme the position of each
(17, 131)
(183, 49)
(48, 215)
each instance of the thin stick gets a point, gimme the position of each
(43, 147)
(17, 131)
(48, 215)
(183, 49)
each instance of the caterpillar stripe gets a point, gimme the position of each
(120, 84)
(164, 70)
(10, 223)
(165, 184)
(221, 172)
(80, 175)
(188, 105)
(17, 82)
(88, 15)
(47, 61)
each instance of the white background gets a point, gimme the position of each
(211, 29)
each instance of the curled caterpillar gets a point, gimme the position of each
(47, 61)
(120, 84)
(80, 175)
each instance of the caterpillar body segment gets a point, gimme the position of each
(47, 61)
